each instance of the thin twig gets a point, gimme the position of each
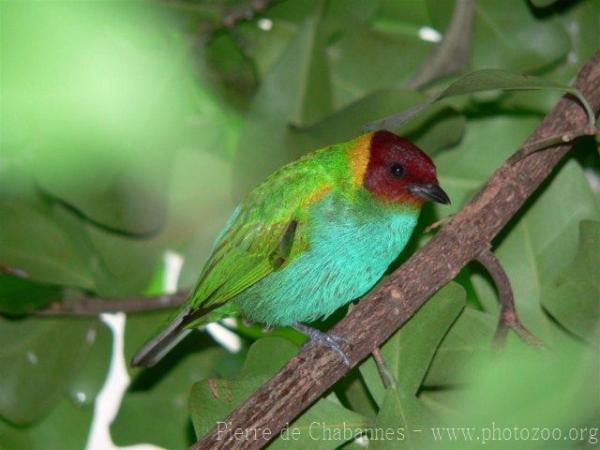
(386, 376)
(92, 306)
(509, 318)
(376, 317)
(543, 144)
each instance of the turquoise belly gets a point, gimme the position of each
(347, 256)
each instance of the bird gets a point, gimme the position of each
(315, 235)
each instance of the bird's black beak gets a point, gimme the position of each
(430, 192)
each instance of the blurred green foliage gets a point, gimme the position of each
(128, 129)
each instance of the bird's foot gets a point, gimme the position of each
(330, 340)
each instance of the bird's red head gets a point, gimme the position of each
(398, 171)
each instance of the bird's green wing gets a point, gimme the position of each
(267, 231)
(238, 264)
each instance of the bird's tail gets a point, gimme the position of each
(155, 349)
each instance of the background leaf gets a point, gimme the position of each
(213, 399)
(573, 297)
(296, 91)
(482, 80)
(68, 423)
(18, 295)
(408, 355)
(165, 388)
(514, 392)
(528, 252)
(33, 354)
(36, 245)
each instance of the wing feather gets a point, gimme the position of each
(264, 234)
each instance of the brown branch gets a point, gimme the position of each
(387, 378)
(310, 373)
(509, 319)
(92, 306)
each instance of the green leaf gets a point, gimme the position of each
(439, 128)
(479, 81)
(233, 71)
(409, 352)
(297, 87)
(377, 47)
(19, 295)
(353, 392)
(404, 415)
(121, 266)
(573, 297)
(487, 142)
(516, 39)
(365, 60)
(39, 361)
(548, 227)
(468, 341)
(166, 395)
(522, 389)
(325, 426)
(213, 399)
(67, 424)
(295, 91)
(66, 427)
(89, 380)
(110, 156)
(105, 155)
(581, 25)
(580, 22)
(543, 3)
(164, 389)
(82, 151)
(489, 79)
(264, 48)
(35, 244)
(320, 427)
(408, 355)
(407, 16)
(343, 124)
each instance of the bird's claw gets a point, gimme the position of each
(332, 341)
(335, 343)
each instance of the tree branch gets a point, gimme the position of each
(92, 306)
(509, 319)
(310, 373)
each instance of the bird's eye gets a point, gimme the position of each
(397, 170)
